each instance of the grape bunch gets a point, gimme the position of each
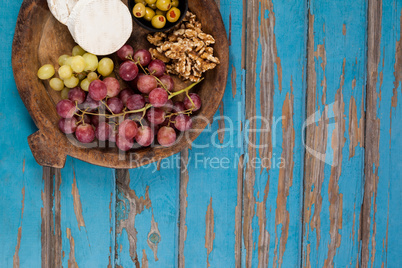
(96, 106)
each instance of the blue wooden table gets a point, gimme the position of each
(300, 166)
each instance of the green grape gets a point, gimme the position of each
(65, 72)
(78, 64)
(92, 76)
(62, 59)
(78, 51)
(46, 72)
(85, 84)
(56, 84)
(91, 62)
(105, 66)
(64, 93)
(71, 82)
(68, 61)
(81, 76)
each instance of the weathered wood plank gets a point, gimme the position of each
(147, 215)
(210, 194)
(334, 159)
(382, 213)
(21, 182)
(83, 213)
(275, 62)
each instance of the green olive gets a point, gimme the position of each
(159, 21)
(175, 3)
(150, 2)
(153, 6)
(163, 5)
(160, 12)
(173, 14)
(149, 14)
(140, 1)
(139, 10)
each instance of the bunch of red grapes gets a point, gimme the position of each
(133, 115)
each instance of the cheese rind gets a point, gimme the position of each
(100, 27)
(61, 9)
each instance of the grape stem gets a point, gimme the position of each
(143, 110)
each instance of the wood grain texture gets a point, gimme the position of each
(36, 32)
(333, 180)
(382, 213)
(84, 210)
(210, 168)
(274, 110)
(147, 214)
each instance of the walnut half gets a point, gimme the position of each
(186, 49)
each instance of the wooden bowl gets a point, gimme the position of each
(40, 39)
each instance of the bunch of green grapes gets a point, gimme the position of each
(80, 69)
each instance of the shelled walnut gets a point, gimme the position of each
(186, 49)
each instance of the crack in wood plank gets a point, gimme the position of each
(16, 257)
(209, 230)
(372, 141)
(184, 178)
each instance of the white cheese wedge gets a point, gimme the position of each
(61, 9)
(100, 27)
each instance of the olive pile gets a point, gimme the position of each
(157, 11)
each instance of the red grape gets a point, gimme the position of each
(145, 136)
(168, 107)
(166, 136)
(66, 108)
(146, 84)
(167, 81)
(143, 56)
(128, 71)
(124, 94)
(85, 133)
(135, 102)
(68, 125)
(95, 120)
(97, 90)
(116, 105)
(103, 131)
(197, 102)
(113, 135)
(128, 129)
(125, 52)
(158, 97)
(113, 86)
(183, 122)
(90, 104)
(77, 95)
(123, 143)
(156, 116)
(157, 68)
(179, 107)
(133, 83)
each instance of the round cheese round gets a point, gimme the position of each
(61, 9)
(100, 27)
